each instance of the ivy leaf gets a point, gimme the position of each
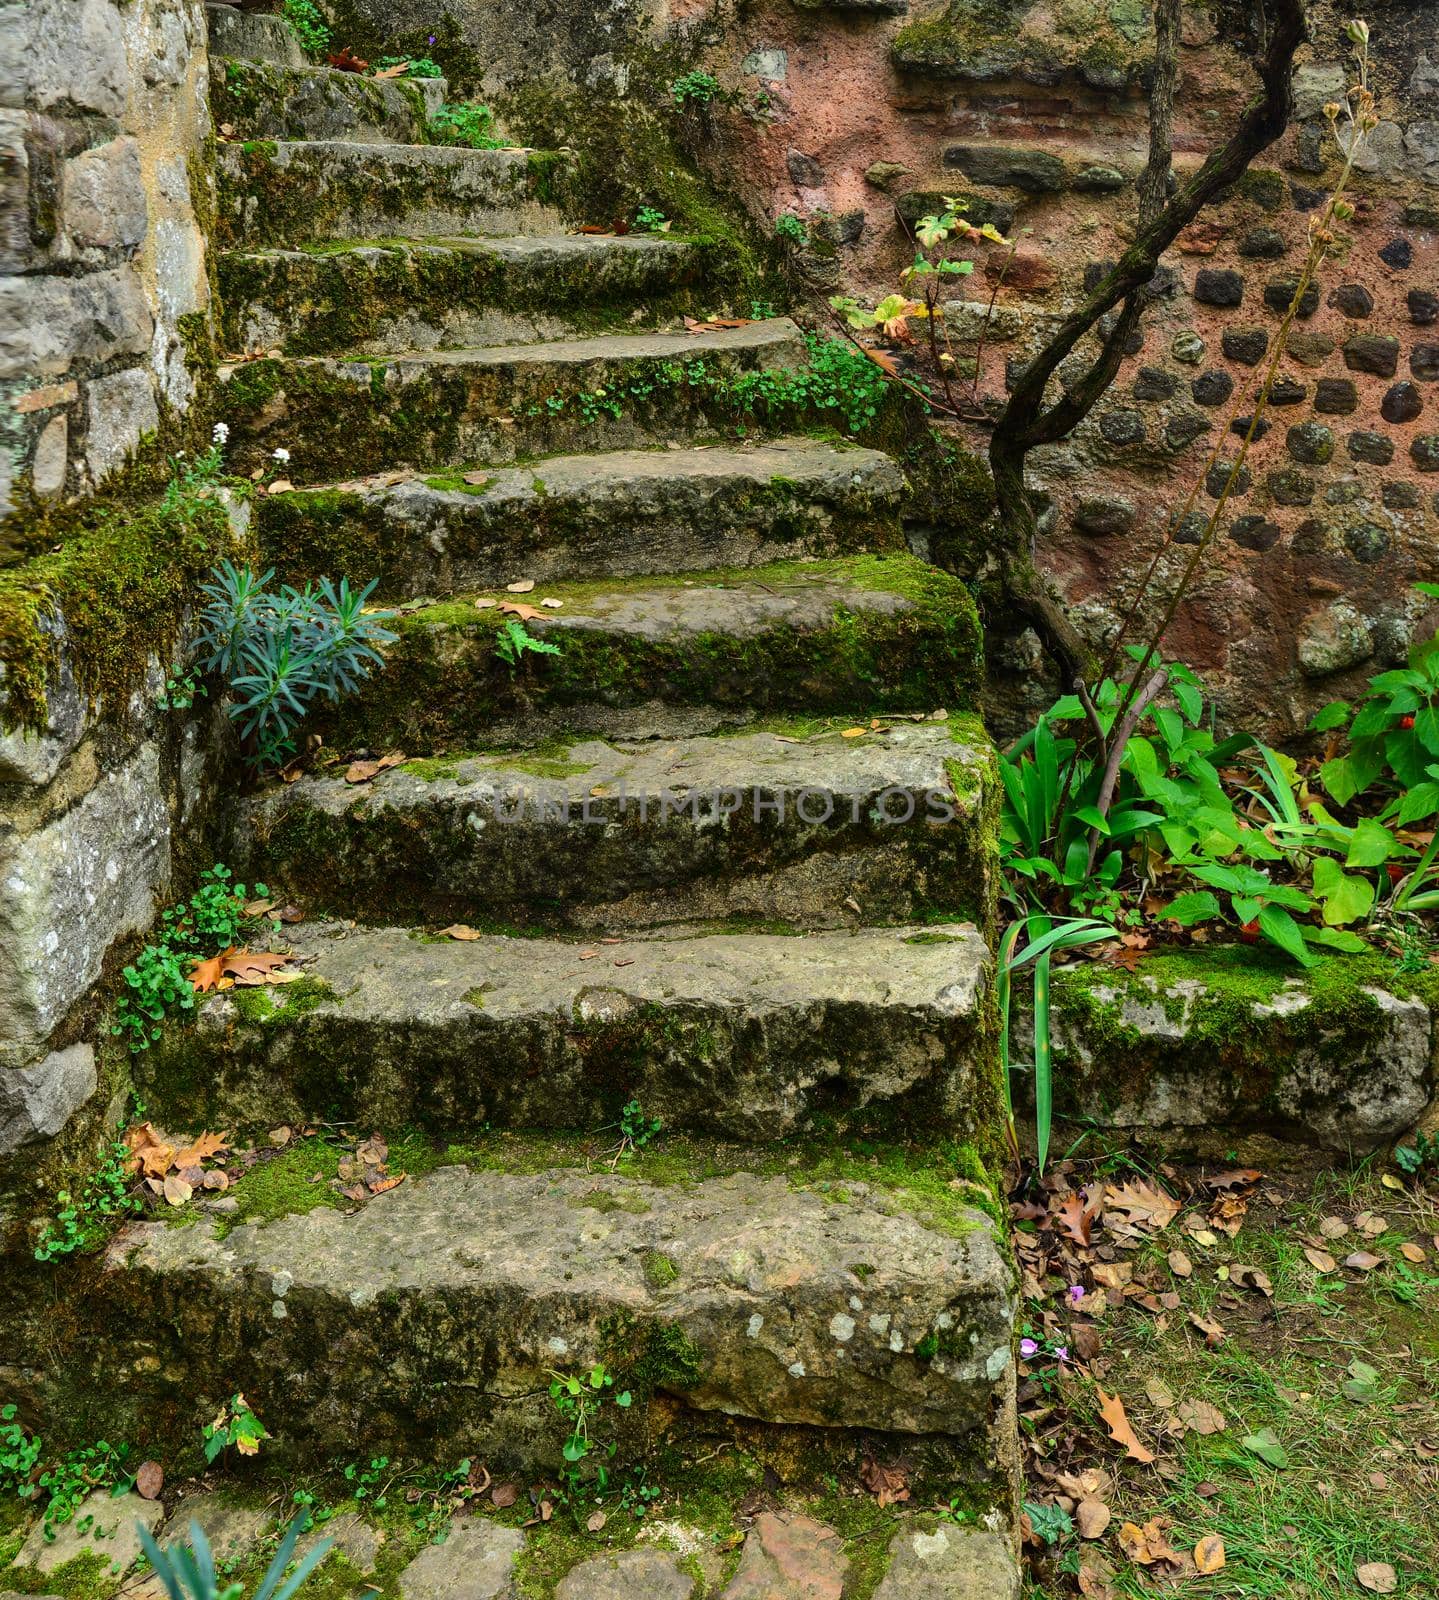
(1334, 715)
(1337, 776)
(1421, 801)
(1336, 939)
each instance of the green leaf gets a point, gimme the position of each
(1337, 776)
(1419, 802)
(1371, 846)
(1197, 905)
(1335, 939)
(1190, 701)
(1334, 715)
(1362, 1384)
(1265, 1444)
(1344, 897)
(1281, 929)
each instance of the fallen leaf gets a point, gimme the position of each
(1092, 1517)
(1199, 1416)
(1160, 1394)
(459, 931)
(1077, 1218)
(596, 1521)
(279, 1137)
(1148, 1544)
(1378, 1577)
(399, 69)
(149, 1480)
(1180, 1264)
(1209, 1553)
(1363, 1261)
(1334, 1227)
(1413, 1252)
(363, 771)
(177, 1191)
(1265, 1444)
(515, 608)
(1319, 1259)
(1144, 1204)
(888, 1485)
(1362, 1382)
(1111, 1408)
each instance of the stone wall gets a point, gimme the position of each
(104, 117)
(859, 115)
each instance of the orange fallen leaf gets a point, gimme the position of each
(1209, 1553)
(149, 1480)
(514, 608)
(459, 931)
(1111, 1408)
(363, 771)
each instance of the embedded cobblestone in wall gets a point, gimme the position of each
(103, 118)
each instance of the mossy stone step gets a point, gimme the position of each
(746, 1036)
(363, 297)
(756, 828)
(251, 36)
(648, 657)
(442, 408)
(283, 192)
(682, 510)
(263, 100)
(432, 1317)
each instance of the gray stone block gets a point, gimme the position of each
(36, 1102)
(102, 1525)
(122, 410)
(105, 207)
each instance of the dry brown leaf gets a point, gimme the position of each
(514, 608)
(1148, 1544)
(1214, 1334)
(1413, 1252)
(1092, 1518)
(1334, 1227)
(1319, 1259)
(1199, 1416)
(1143, 1204)
(1076, 1218)
(149, 1480)
(504, 1495)
(399, 69)
(1363, 1261)
(1111, 1408)
(1209, 1553)
(1180, 1264)
(1378, 1577)
(458, 930)
(1160, 1394)
(596, 1521)
(363, 771)
(888, 1485)
(177, 1191)
(251, 968)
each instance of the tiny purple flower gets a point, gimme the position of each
(1061, 1352)
(1076, 1293)
(1028, 1349)
(432, 38)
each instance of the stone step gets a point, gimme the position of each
(747, 830)
(681, 510)
(742, 1036)
(264, 100)
(428, 1321)
(664, 657)
(433, 409)
(284, 192)
(360, 297)
(251, 36)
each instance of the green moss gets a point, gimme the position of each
(659, 1269)
(121, 577)
(1264, 186)
(87, 1577)
(292, 1182)
(433, 771)
(283, 1004)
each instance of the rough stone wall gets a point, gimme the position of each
(855, 114)
(103, 118)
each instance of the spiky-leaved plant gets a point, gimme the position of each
(188, 1571)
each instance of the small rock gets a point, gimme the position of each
(1286, 392)
(1255, 533)
(880, 174)
(351, 1536)
(1188, 347)
(1423, 307)
(1240, 426)
(1372, 352)
(1218, 475)
(1291, 487)
(1099, 180)
(1279, 296)
(949, 1564)
(1367, 542)
(1401, 496)
(1369, 447)
(1353, 299)
(1333, 639)
(1122, 427)
(789, 1558)
(627, 1575)
(1154, 383)
(1212, 388)
(1424, 452)
(232, 1530)
(1245, 345)
(1034, 171)
(1104, 514)
(1401, 403)
(1310, 442)
(1424, 362)
(1263, 244)
(1184, 428)
(1309, 537)
(1398, 253)
(109, 1532)
(1191, 529)
(476, 1562)
(804, 170)
(1336, 397)
(1218, 286)
(1310, 349)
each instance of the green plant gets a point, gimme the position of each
(19, 1455)
(1044, 937)
(188, 1572)
(282, 652)
(514, 641)
(1413, 1159)
(75, 1476)
(697, 87)
(649, 220)
(579, 1401)
(307, 23)
(367, 1479)
(235, 1424)
(470, 125)
(415, 66)
(181, 691)
(789, 228)
(636, 1129)
(158, 981)
(105, 1196)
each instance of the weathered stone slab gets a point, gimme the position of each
(789, 1558)
(683, 511)
(654, 832)
(384, 298)
(233, 1530)
(103, 1525)
(270, 101)
(251, 36)
(655, 1574)
(746, 1035)
(951, 1563)
(71, 889)
(284, 192)
(476, 1562)
(464, 1289)
(1208, 1041)
(37, 1101)
(440, 408)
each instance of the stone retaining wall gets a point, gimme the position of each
(104, 117)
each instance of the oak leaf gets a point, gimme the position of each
(1111, 1408)
(1143, 1204)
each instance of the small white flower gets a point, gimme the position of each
(282, 455)
(221, 433)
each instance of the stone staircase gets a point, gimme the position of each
(729, 853)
